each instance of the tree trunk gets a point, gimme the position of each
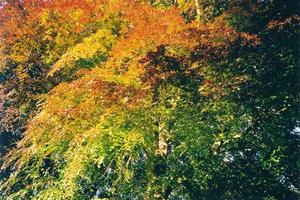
(198, 9)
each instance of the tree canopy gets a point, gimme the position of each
(160, 99)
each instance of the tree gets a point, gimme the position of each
(150, 104)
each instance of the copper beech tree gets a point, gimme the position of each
(149, 99)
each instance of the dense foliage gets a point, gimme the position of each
(124, 99)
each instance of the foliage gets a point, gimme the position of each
(145, 101)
